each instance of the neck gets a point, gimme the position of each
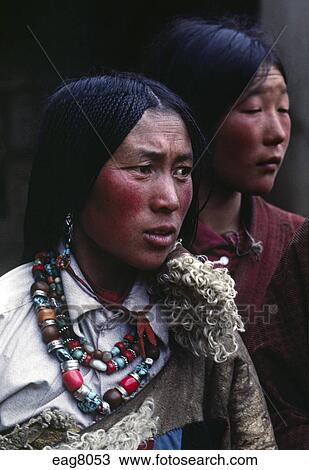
(222, 211)
(103, 271)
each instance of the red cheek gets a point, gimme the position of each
(118, 199)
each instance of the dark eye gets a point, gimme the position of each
(284, 110)
(252, 111)
(143, 169)
(183, 171)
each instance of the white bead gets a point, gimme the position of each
(224, 260)
(88, 347)
(149, 361)
(98, 365)
(81, 392)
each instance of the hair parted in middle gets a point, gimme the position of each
(84, 123)
(209, 63)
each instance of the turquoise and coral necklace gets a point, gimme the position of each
(72, 351)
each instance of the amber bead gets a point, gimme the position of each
(113, 398)
(46, 314)
(40, 285)
(98, 354)
(50, 333)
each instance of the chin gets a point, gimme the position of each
(149, 262)
(259, 188)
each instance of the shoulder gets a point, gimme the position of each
(15, 288)
(278, 215)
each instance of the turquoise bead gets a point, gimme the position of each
(90, 403)
(142, 373)
(61, 322)
(115, 351)
(120, 362)
(52, 286)
(142, 370)
(63, 355)
(48, 268)
(77, 354)
(41, 301)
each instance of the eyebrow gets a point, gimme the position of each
(152, 155)
(264, 89)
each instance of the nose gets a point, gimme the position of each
(277, 131)
(165, 196)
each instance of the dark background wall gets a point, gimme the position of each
(43, 42)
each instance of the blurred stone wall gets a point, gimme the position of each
(292, 186)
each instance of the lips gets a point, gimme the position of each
(270, 161)
(160, 237)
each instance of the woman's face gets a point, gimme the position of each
(141, 196)
(251, 144)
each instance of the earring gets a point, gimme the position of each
(63, 260)
(177, 243)
(68, 228)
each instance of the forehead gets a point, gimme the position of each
(159, 129)
(268, 82)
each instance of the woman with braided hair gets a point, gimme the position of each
(112, 335)
(236, 86)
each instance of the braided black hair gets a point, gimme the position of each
(84, 123)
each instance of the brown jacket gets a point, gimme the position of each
(219, 406)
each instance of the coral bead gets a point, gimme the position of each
(129, 338)
(113, 397)
(37, 267)
(87, 359)
(120, 346)
(130, 384)
(111, 367)
(129, 354)
(72, 380)
(73, 344)
(50, 333)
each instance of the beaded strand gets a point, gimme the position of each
(71, 350)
